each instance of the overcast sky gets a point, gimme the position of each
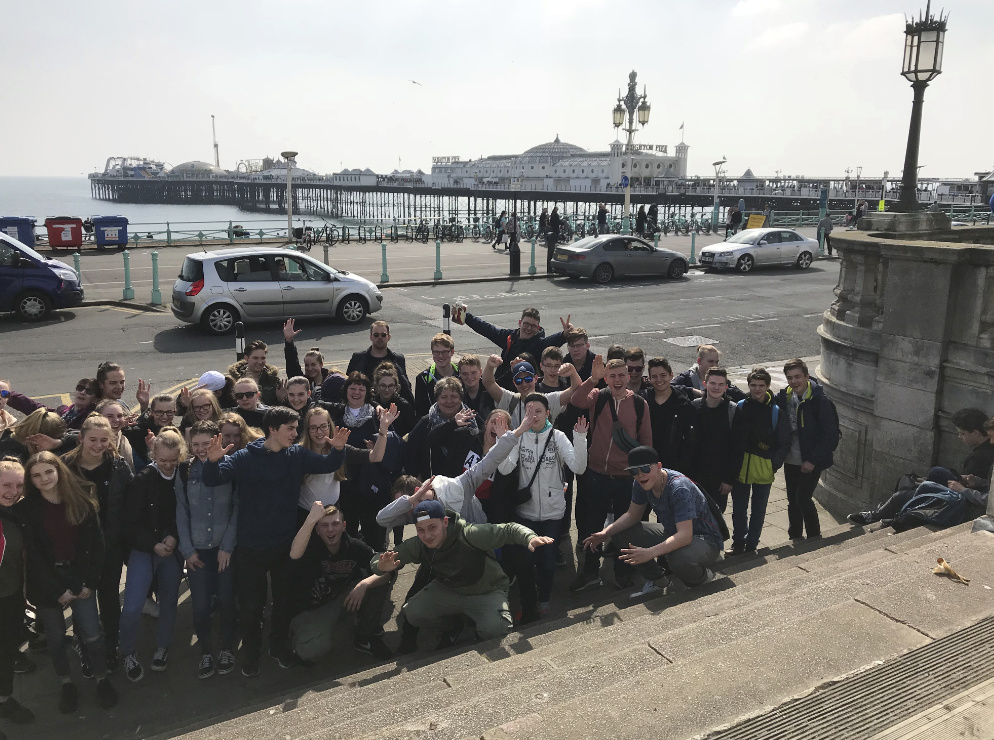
(804, 86)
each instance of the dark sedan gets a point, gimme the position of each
(605, 257)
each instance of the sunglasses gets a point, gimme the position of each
(246, 394)
(524, 379)
(639, 469)
(379, 335)
(86, 389)
(633, 370)
(4, 394)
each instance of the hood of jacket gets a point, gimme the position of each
(269, 372)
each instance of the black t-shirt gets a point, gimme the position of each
(322, 576)
(100, 477)
(979, 461)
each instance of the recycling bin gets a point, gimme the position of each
(110, 231)
(21, 228)
(64, 231)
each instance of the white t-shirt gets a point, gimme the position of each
(509, 399)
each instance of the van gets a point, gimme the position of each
(33, 286)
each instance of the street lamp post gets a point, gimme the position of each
(855, 201)
(717, 180)
(289, 157)
(633, 104)
(923, 43)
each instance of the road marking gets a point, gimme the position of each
(702, 326)
(758, 321)
(125, 310)
(810, 315)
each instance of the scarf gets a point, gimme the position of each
(435, 418)
(356, 420)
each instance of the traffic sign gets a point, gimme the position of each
(624, 181)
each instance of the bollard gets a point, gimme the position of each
(693, 247)
(326, 251)
(231, 234)
(438, 259)
(156, 294)
(239, 340)
(129, 292)
(384, 277)
(531, 267)
(655, 240)
(169, 234)
(446, 315)
(75, 261)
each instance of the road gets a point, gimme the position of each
(760, 317)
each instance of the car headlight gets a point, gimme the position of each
(725, 254)
(67, 275)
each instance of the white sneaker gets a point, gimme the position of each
(151, 609)
(648, 587)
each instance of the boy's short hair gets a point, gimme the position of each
(469, 361)
(719, 371)
(553, 353)
(537, 398)
(443, 339)
(405, 485)
(531, 313)
(796, 364)
(575, 334)
(706, 349)
(660, 362)
(616, 362)
(204, 426)
(970, 420)
(277, 416)
(759, 373)
(634, 353)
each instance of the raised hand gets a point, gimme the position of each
(581, 425)
(597, 370)
(316, 512)
(388, 562)
(387, 416)
(567, 370)
(339, 438)
(149, 438)
(42, 443)
(494, 361)
(217, 450)
(288, 331)
(566, 324)
(463, 417)
(184, 396)
(280, 389)
(143, 393)
(538, 542)
(423, 493)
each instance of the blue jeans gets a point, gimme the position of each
(746, 525)
(86, 622)
(141, 567)
(206, 583)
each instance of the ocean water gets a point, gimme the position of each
(45, 197)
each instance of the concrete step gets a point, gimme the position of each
(566, 669)
(677, 642)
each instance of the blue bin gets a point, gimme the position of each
(21, 228)
(110, 230)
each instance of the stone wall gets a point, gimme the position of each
(908, 341)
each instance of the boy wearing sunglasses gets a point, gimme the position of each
(524, 379)
(686, 532)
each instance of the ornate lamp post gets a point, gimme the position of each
(717, 180)
(923, 42)
(289, 157)
(633, 104)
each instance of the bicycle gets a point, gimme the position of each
(421, 232)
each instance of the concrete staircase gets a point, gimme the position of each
(676, 665)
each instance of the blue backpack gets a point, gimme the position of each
(939, 507)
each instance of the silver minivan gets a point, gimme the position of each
(217, 289)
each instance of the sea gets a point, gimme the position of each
(47, 197)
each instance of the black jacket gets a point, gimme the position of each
(44, 584)
(671, 423)
(293, 368)
(111, 496)
(511, 344)
(817, 425)
(439, 451)
(150, 510)
(365, 363)
(756, 434)
(979, 461)
(711, 457)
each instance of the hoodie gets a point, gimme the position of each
(763, 445)
(548, 501)
(512, 344)
(268, 486)
(817, 424)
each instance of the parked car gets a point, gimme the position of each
(605, 257)
(218, 289)
(32, 285)
(754, 248)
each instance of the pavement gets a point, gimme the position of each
(467, 261)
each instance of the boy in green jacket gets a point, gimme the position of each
(467, 580)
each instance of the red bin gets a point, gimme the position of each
(64, 232)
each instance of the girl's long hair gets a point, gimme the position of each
(39, 421)
(77, 495)
(190, 417)
(93, 421)
(317, 411)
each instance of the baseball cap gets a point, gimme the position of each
(429, 509)
(212, 380)
(640, 456)
(523, 367)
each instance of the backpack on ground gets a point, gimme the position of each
(938, 508)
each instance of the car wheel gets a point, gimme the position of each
(804, 260)
(33, 306)
(745, 263)
(678, 269)
(352, 309)
(603, 273)
(219, 319)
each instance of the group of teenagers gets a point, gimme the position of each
(285, 490)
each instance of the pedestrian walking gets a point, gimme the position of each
(602, 219)
(512, 233)
(640, 221)
(825, 228)
(551, 236)
(499, 235)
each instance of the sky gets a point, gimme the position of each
(804, 87)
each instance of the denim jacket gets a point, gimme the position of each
(205, 515)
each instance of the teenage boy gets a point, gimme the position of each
(524, 381)
(635, 361)
(333, 580)
(814, 436)
(711, 458)
(549, 364)
(761, 435)
(693, 378)
(475, 396)
(686, 533)
(670, 413)
(442, 366)
(267, 476)
(580, 355)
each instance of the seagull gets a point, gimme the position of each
(415, 82)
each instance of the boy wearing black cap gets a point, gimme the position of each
(467, 581)
(686, 533)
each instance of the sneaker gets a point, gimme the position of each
(84, 660)
(133, 668)
(373, 646)
(561, 561)
(15, 712)
(736, 549)
(648, 587)
(623, 582)
(68, 698)
(283, 656)
(225, 662)
(250, 667)
(23, 664)
(863, 518)
(451, 636)
(113, 659)
(544, 610)
(206, 668)
(584, 580)
(160, 659)
(106, 694)
(151, 609)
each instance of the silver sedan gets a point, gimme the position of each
(754, 248)
(612, 255)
